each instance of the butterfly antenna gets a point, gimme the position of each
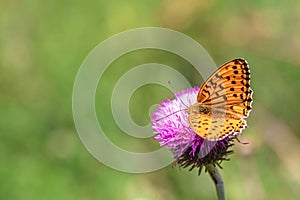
(174, 93)
(168, 115)
(177, 110)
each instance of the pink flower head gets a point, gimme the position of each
(171, 126)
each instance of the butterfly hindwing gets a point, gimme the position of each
(214, 128)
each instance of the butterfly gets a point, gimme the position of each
(223, 102)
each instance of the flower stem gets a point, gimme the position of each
(218, 181)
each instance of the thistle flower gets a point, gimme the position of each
(174, 132)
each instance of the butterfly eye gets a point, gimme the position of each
(204, 110)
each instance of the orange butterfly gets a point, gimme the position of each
(223, 102)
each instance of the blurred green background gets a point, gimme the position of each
(43, 43)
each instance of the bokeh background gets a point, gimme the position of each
(43, 43)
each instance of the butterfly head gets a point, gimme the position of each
(197, 108)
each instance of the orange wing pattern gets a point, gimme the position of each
(215, 128)
(223, 102)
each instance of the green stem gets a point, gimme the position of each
(218, 181)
